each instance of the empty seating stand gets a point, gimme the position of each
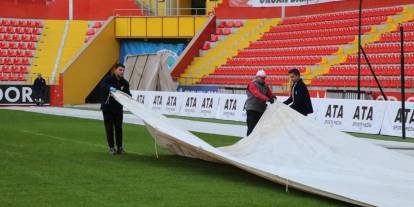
(301, 42)
(18, 42)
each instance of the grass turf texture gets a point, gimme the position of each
(60, 161)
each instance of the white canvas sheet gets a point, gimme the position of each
(296, 151)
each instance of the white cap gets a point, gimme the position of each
(261, 73)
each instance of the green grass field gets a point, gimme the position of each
(59, 161)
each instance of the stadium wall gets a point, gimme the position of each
(38, 9)
(59, 9)
(85, 71)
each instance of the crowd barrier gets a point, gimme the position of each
(362, 116)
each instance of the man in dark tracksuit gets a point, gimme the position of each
(39, 86)
(258, 93)
(299, 98)
(111, 109)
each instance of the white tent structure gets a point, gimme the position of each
(295, 151)
(149, 72)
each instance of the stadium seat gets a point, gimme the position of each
(5, 22)
(22, 46)
(36, 31)
(206, 46)
(31, 46)
(5, 69)
(90, 32)
(22, 23)
(38, 24)
(23, 69)
(33, 38)
(97, 25)
(21, 77)
(28, 53)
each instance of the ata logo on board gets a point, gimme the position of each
(335, 111)
(207, 103)
(172, 101)
(141, 99)
(230, 105)
(409, 116)
(364, 113)
(191, 102)
(157, 101)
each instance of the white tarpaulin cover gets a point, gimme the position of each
(298, 152)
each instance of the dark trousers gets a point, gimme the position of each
(252, 118)
(113, 120)
(38, 94)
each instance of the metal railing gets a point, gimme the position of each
(167, 12)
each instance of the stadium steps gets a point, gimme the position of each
(73, 43)
(225, 49)
(352, 48)
(48, 47)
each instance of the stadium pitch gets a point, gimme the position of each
(60, 161)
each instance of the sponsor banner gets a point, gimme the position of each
(366, 116)
(331, 113)
(344, 115)
(392, 124)
(191, 105)
(231, 107)
(141, 97)
(209, 105)
(172, 102)
(352, 115)
(21, 95)
(275, 3)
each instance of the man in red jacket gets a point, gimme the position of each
(258, 93)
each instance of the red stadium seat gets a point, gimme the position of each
(38, 24)
(206, 46)
(5, 23)
(36, 31)
(31, 46)
(28, 53)
(23, 69)
(33, 38)
(21, 77)
(97, 25)
(90, 32)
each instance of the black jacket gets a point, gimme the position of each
(108, 102)
(39, 84)
(300, 98)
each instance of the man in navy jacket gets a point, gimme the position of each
(111, 109)
(299, 99)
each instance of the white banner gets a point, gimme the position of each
(392, 124)
(209, 105)
(231, 107)
(365, 117)
(352, 115)
(172, 102)
(332, 113)
(275, 3)
(369, 117)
